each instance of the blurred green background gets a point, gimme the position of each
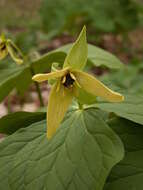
(114, 25)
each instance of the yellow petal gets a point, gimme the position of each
(95, 87)
(52, 75)
(3, 48)
(14, 52)
(59, 101)
(3, 53)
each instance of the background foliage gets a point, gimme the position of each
(101, 16)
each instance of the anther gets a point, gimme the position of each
(68, 81)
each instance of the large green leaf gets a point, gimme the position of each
(97, 57)
(79, 156)
(128, 174)
(12, 122)
(131, 108)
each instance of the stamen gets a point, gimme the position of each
(64, 79)
(68, 80)
(72, 76)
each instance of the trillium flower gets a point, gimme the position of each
(8, 47)
(68, 81)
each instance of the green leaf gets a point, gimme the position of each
(77, 56)
(19, 77)
(129, 78)
(97, 57)
(23, 81)
(131, 108)
(128, 174)
(79, 156)
(14, 121)
(100, 57)
(44, 63)
(9, 78)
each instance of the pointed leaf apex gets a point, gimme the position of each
(83, 31)
(77, 56)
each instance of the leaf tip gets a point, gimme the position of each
(83, 32)
(84, 28)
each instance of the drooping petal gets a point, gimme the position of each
(77, 56)
(59, 101)
(52, 75)
(14, 52)
(3, 53)
(95, 87)
(3, 47)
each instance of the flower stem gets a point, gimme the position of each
(80, 105)
(37, 88)
(9, 104)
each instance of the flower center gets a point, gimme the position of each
(68, 81)
(2, 46)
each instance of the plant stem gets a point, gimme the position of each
(39, 93)
(80, 105)
(37, 88)
(9, 104)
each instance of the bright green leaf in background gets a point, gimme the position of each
(79, 156)
(97, 57)
(128, 174)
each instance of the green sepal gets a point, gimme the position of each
(77, 56)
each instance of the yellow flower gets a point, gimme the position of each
(8, 47)
(68, 81)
